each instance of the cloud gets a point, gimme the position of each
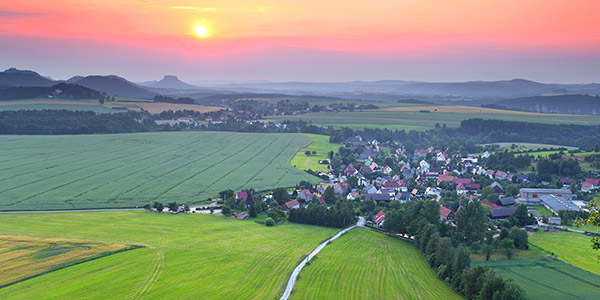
(263, 8)
(11, 14)
(205, 9)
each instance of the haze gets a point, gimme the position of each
(548, 41)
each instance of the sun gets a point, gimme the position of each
(201, 31)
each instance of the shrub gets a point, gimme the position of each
(270, 222)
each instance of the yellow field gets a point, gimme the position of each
(23, 257)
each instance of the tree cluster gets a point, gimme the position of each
(340, 215)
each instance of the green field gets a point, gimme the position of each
(320, 144)
(397, 116)
(364, 264)
(127, 170)
(572, 248)
(74, 107)
(186, 256)
(543, 210)
(527, 146)
(548, 278)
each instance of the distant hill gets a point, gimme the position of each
(563, 104)
(172, 82)
(114, 86)
(58, 91)
(14, 77)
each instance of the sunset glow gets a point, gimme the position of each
(408, 39)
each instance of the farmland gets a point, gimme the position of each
(186, 256)
(24, 257)
(320, 144)
(427, 116)
(363, 264)
(128, 170)
(573, 248)
(548, 278)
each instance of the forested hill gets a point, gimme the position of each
(563, 104)
(61, 91)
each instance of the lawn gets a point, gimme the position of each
(320, 144)
(428, 116)
(128, 170)
(543, 210)
(186, 256)
(572, 248)
(548, 278)
(364, 264)
(24, 257)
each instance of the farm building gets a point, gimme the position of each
(502, 213)
(532, 195)
(554, 220)
(506, 201)
(556, 204)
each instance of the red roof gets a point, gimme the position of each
(491, 205)
(445, 212)
(321, 200)
(306, 192)
(462, 180)
(490, 172)
(391, 184)
(290, 204)
(241, 195)
(379, 217)
(500, 174)
(594, 181)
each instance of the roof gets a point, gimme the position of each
(566, 180)
(505, 201)
(379, 217)
(290, 204)
(391, 184)
(558, 203)
(491, 205)
(500, 174)
(594, 181)
(241, 195)
(379, 197)
(445, 212)
(502, 212)
(463, 180)
(546, 191)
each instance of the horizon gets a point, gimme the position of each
(312, 42)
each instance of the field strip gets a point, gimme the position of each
(133, 173)
(215, 164)
(540, 283)
(158, 267)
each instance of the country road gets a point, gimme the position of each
(66, 211)
(292, 281)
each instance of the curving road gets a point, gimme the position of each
(292, 281)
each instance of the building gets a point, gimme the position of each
(379, 219)
(532, 195)
(446, 214)
(502, 213)
(556, 204)
(506, 201)
(290, 204)
(554, 220)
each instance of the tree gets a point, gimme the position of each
(101, 100)
(471, 222)
(226, 211)
(474, 280)
(307, 153)
(519, 237)
(186, 208)
(490, 287)
(172, 206)
(508, 245)
(596, 148)
(281, 195)
(487, 250)
(462, 260)
(252, 211)
(212, 210)
(523, 216)
(270, 222)
(329, 195)
(158, 206)
(593, 219)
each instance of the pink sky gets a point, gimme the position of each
(310, 40)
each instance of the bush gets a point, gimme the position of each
(270, 222)
(226, 211)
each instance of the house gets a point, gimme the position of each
(490, 173)
(351, 170)
(369, 189)
(340, 188)
(403, 197)
(498, 189)
(379, 219)
(445, 178)
(506, 201)
(241, 196)
(320, 190)
(566, 181)
(501, 175)
(424, 166)
(446, 214)
(441, 157)
(379, 197)
(305, 195)
(523, 177)
(462, 189)
(392, 185)
(365, 170)
(589, 184)
(290, 204)
(502, 213)
(352, 196)
(462, 180)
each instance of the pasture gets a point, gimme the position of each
(128, 170)
(24, 257)
(572, 248)
(547, 278)
(186, 256)
(363, 264)
(320, 144)
(427, 116)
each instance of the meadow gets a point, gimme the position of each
(44, 103)
(572, 248)
(363, 264)
(396, 117)
(185, 256)
(547, 278)
(25, 257)
(128, 170)
(320, 144)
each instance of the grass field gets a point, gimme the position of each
(547, 278)
(44, 103)
(572, 248)
(22, 257)
(321, 144)
(527, 146)
(363, 264)
(449, 115)
(543, 210)
(127, 170)
(187, 256)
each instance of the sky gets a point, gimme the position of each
(310, 40)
